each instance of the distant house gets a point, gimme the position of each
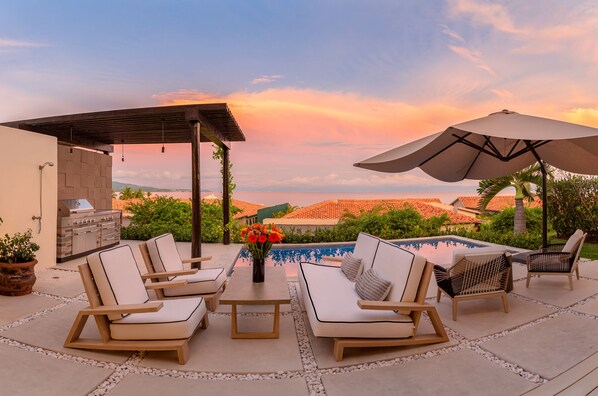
(326, 214)
(497, 204)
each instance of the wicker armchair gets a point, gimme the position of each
(475, 276)
(557, 259)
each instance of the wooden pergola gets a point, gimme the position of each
(193, 124)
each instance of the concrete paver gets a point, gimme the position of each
(460, 372)
(550, 347)
(50, 331)
(135, 384)
(555, 290)
(213, 349)
(28, 373)
(14, 308)
(480, 318)
(58, 283)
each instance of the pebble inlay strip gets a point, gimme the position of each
(310, 372)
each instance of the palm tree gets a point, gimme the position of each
(522, 182)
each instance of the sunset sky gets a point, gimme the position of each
(315, 85)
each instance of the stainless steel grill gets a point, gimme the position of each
(82, 229)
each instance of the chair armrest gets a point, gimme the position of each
(196, 259)
(332, 258)
(153, 306)
(392, 305)
(166, 285)
(169, 273)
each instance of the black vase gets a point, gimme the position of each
(258, 270)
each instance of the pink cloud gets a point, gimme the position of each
(266, 79)
(474, 57)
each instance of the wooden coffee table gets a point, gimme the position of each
(242, 291)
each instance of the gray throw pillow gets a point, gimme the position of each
(351, 266)
(370, 286)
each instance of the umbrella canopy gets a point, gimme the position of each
(494, 146)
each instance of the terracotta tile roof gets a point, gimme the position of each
(248, 209)
(334, 209)
(497, 203)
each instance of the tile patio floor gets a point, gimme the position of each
(547, 344)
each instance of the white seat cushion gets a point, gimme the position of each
(573, 241)
(330, 301)
(365, 249)
(402, 268)
(117, 277)
(458, 254)
(177, 319)
(205, 281)
(164, 254)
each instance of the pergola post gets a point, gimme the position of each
(195, 193)
(225, 195)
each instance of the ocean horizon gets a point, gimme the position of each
(302, 199)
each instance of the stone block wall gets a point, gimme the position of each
(85, 174)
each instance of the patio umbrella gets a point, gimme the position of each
(493, 146)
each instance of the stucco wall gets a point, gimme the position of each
(21, 154)
(85, 174)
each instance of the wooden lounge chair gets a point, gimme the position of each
(475, 276)
(335, 310)
(127, 320)
(557, 259)
(164, 263)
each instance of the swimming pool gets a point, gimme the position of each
(436, 250)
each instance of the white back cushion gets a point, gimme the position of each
(404, 269)
(365, 249)
(458, 254)
(164, 254)
(572, 241)
(117, 277)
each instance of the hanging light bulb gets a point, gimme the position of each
(163, 135)
(122, 150)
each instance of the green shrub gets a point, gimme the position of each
(573, 204)
(153, 217)
(504, 221)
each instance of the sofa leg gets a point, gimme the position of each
(205, 321)
(438, 295)
(529, 276)
(570, 281)
(339, 350)
(183, 353)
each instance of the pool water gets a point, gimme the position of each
(435, 250)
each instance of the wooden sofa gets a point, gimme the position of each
(335, 310)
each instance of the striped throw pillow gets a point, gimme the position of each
(351, 266)
(370, 286)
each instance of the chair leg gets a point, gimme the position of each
(438, 295)
(454, 310)
(529, 276)
(570, 281)
(205, 322)
(505, 304)
(577, 272)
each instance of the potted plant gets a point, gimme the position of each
(17, 259)
(258, 240)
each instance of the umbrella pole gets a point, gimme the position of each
(544, 207)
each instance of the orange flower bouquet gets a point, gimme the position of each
(259, 238)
